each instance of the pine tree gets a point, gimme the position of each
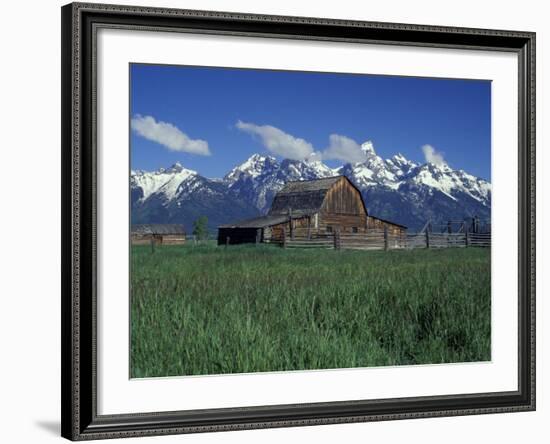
(200, 228)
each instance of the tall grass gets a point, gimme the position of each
(210, 310)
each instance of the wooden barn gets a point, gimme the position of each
(160, 234)
(306, 208)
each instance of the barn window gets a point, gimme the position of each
(354, 230)
(329, 229)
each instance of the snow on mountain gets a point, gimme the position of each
(258, 179)
(450, 182)
(399, 165)
(396, 189)
(375, 171)
(163, 181)
(304, 170)
(252, 167)
(180, 195)
(397, 171)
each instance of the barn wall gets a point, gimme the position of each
(275, 233)
(160, 239)
(343, 198)
(377, 224)
(342, 222)
(343, 209)
(173, 239)
(145, 239)
(139, 239)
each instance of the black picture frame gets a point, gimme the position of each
(80, 420)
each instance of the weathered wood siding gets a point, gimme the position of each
(275, 233)
(343, 209)
(344, 223)
(173, 239)
(374, 223)
(343, 198)
(159, 239)
(141, 239)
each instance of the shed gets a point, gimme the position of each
(249, 230)
(166, 234)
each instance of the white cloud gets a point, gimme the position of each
(168, 135)
(345, 149)
(433, 156)
(289, 147)
(279, 142)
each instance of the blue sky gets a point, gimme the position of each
(211, 119)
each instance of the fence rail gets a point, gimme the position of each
(384, 240)
(479, 240)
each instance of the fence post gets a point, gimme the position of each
(336, 239)
(152, 245)
(385, 237)
(284, 237)
(290, 222)
(227, 241)
(427, 239)
(466, 240)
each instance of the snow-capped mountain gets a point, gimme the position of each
(258, 179)
(179, 195)
(375, 171)
(399, 165)
(450, 182)
(162, 182)
(398, 171)
(396, 189)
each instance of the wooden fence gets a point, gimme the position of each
(372, 240)
(306, 238)
(384, 240)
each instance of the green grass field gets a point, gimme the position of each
(211, 310)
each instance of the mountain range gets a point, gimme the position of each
(395, 189)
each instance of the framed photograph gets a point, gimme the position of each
(281, 221)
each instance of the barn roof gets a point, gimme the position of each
(258, 222)
(388, 221)
(302, 197)
(300, 186)
(306, 197)
(158, 229)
